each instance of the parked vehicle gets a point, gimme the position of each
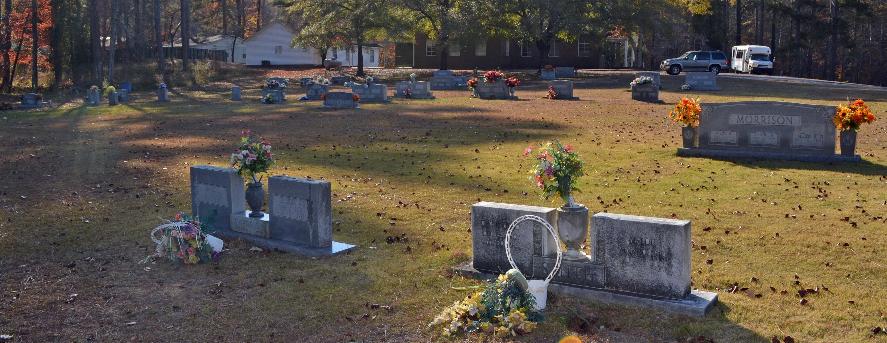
(752, 59)
(712, 61)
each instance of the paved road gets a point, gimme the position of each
(783, 79)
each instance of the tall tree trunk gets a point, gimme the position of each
(137, 44)
(832, 50)
(443, 39)
(6, 45)
(56, 42)
(224, 8)
(115, 13)
(258, 15)
(360, 58)
(35, 41)
(738, 22)
(18, 52)
(759, 22)
(95, 38)
(186, 35)
(158, 40)
(544, 46)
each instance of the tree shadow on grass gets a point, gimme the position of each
(863, 167)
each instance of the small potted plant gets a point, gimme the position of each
(848, 118)
(512, 82)
(687, 113)
(252, 158)
(556, 171)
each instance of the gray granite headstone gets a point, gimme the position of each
(648, 92)
(494, 90)
(315, 92)
(489, 224)
(216, 194)
(112, 98)
(236, 93)
(305, 81)
(123, 96)
(277, 95)
(702, 81)
(162, 94)
(339, 100)
(93, 97)
(446, 80)
(371, 92)
(301, 211)
(417, 90)
(30, 100)
(565, 72)
(549, 75)
(643, 255)
(768, 127)
(563, 88)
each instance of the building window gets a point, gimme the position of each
(372, 56)
(525, 50)
(244, 56)
(481, 48)
(507, 47)
(455, 49)
(552, 51)
(430, 49)
(335, 54)
(584, 49)
(278, 50)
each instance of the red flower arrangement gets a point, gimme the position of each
(472, 83)
(493, 76)
(552, 94)
(355, 97)
(512, 82)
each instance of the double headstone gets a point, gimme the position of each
(413, 89)
(315, 92)
(299, 218)
(371, 92)
(633, 260)
(563, 89)
(702, 81)
(236, 93)
(31, 100)
(767, 130)
(276, 95)
(446, 80)
(339, 100)
(565, 72)
(492, 90)
(548, 74)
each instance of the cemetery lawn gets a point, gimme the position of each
(82, 188)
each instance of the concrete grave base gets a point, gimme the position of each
(745, 154)
(254, 226)
(696, 304)
(290, 247)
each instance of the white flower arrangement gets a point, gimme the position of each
(686, 87)
(643, 80)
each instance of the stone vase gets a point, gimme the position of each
(848, 142)
(690, 136)
(572, 229)
(255, 198)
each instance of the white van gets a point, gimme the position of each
(751, 59)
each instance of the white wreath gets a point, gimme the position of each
(521, 219)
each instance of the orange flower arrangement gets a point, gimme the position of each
(851, 116)
(686, 112)
(355, 97)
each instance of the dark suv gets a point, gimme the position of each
(712, 61)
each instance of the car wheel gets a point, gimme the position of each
(714, 69)
(674, 70)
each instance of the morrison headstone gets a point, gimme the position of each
(768, 130)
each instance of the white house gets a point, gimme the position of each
(273, 45)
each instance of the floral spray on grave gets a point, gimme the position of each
(252, 158)
(556, 173)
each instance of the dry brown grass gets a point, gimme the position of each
(83, 187)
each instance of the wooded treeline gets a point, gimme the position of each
(63, 43)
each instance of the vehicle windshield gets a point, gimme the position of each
(685, 55)
(760, 57)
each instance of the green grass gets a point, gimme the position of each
(413, 169)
